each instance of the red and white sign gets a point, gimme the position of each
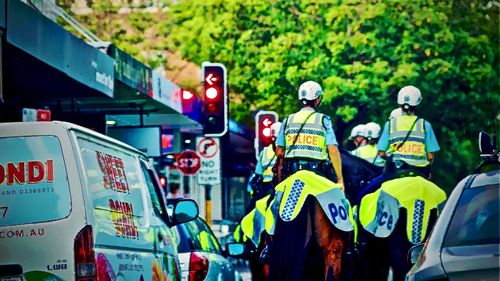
(188, 162)
(209, 151)
(30, 114)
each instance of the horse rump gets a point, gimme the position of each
(295, 254)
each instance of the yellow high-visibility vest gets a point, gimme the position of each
(267, 161)
(369, 152)
(311, 142)
(413, 150)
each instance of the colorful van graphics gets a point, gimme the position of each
(33, 181)
(77, 205)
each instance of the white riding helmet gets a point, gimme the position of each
(310, 90)
(358, 130)
(372, 130)
(396, 113)
(275, 129)
(409, 95)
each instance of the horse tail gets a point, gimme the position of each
(295, 252)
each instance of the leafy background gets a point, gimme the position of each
(362, 52)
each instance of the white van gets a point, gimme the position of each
(78, 205)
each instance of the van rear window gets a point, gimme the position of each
(33, 182)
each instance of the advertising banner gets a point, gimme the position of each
(166, 92)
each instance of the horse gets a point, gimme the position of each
(391, 220)
(323, 247)
(310, 247)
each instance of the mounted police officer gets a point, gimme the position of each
(409, 138)
(358, 136)
(306, 140)
(261, 182)
(369, 152)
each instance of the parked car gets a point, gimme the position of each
(200, 254)
(465, 241)
(78, 205)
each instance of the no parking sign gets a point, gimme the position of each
(209, 151)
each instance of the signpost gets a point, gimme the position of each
(209, 151)
(188, 162)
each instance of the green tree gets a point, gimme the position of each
(362, 52)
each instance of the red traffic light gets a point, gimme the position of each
(212, 93)
(263, 122)
(266, 132)
(187, 95)
(214, 114)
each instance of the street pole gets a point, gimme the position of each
(208, 204)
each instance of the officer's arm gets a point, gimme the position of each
(280, 140)
(334, 154)
(430, 157)
(382, 154)
(280, 151)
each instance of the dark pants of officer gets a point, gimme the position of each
(321, 167)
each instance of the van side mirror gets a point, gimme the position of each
(184, 210)
(485, 146)
(414, 253)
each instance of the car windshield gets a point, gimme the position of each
(475, 221)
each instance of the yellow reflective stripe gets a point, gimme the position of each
(247, 225)
(237, 234)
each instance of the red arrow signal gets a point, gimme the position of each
(267, 122)
(211, 79)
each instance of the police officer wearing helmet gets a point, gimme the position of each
(358, 135)
(409, 138)
(369, 152)
(396, 113)
(261, 182)
(306, 140)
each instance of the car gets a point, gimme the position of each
(79, 205)
(465, 241)
(200, 254)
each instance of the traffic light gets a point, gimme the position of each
(263, 122)
(215, 113)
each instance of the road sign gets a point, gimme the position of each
(188, 162)
(209, 151)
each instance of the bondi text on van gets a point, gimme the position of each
(27, 172)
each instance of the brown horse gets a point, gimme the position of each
(308, 247)
(313, 221)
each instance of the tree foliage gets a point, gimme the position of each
(362, 52)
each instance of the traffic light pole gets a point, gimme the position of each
(208, 204)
